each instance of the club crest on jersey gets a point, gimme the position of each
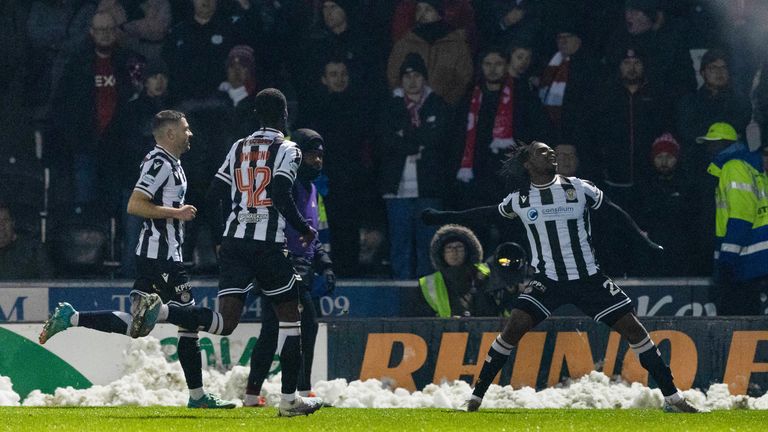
(570, 194)
(533, 214)
(185, 297)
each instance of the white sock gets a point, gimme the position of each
(74, 320)
(163, 314)
(304, 393)
(674, 398)
(289, 397)
(250, 399)
(196, 393)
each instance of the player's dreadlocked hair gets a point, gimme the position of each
(512, 171)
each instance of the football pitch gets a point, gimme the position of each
(169, 419)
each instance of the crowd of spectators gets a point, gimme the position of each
(418, 102)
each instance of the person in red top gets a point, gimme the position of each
(94, 86)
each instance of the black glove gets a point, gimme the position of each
(431, 216)
(330, 281)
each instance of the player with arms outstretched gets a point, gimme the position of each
(257, 176)
(554, 210)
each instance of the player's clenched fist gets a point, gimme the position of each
(187, 212)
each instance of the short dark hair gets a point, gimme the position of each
(712, 56)
(494, 49)
(166, 117)
(270, 106)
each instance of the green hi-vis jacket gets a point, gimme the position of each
(436, 292)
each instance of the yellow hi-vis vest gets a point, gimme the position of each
(436, 292)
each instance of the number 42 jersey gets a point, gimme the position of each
(251, 165)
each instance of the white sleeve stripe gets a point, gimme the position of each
(505, 214)
(144, 191)
(225, 179)
(599, 201)
(290, 175)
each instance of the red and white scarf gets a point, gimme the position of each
(553, 82)
(502, 124)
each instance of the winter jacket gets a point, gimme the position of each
(448, 59)
(742, 212)
(457, 291)
(399, 139)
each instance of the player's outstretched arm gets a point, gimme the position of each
(141, 205)
(619, 212)
(475, 215)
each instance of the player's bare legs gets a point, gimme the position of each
(629, 327)
(517, 325)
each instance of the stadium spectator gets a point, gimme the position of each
(344, 121)
(194, 48)
(714, 101)
(628, 114)
(741, 222)
(141, 25)
(414, 152)
(456, 289)
(56, 31)
(444, 48)
(338, 34)
(458, 13)
(567, 160)
(498, 111)
(95, 86)
(669, 210)
(135, 139)
(520, 57)
(504, 21)
(649, 30)
(566, 269)
(314, 266)
(238, 93)
(21, 257)
(567, 84)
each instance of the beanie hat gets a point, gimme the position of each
(413, 63)
(666, 143)
(243, 55)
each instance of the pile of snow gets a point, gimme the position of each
(8, 397)
(150, 380)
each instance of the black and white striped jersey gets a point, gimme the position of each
(556, 217)
(164, 181)
(251, 165)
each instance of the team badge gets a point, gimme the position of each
(570, 194)
(533, 214)
(185, 297)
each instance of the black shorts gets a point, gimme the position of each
(168, 279)
(597, 296)
(248, 263)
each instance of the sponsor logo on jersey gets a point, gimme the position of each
(533, 214)
(557, 211)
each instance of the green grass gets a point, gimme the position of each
(168, 419)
